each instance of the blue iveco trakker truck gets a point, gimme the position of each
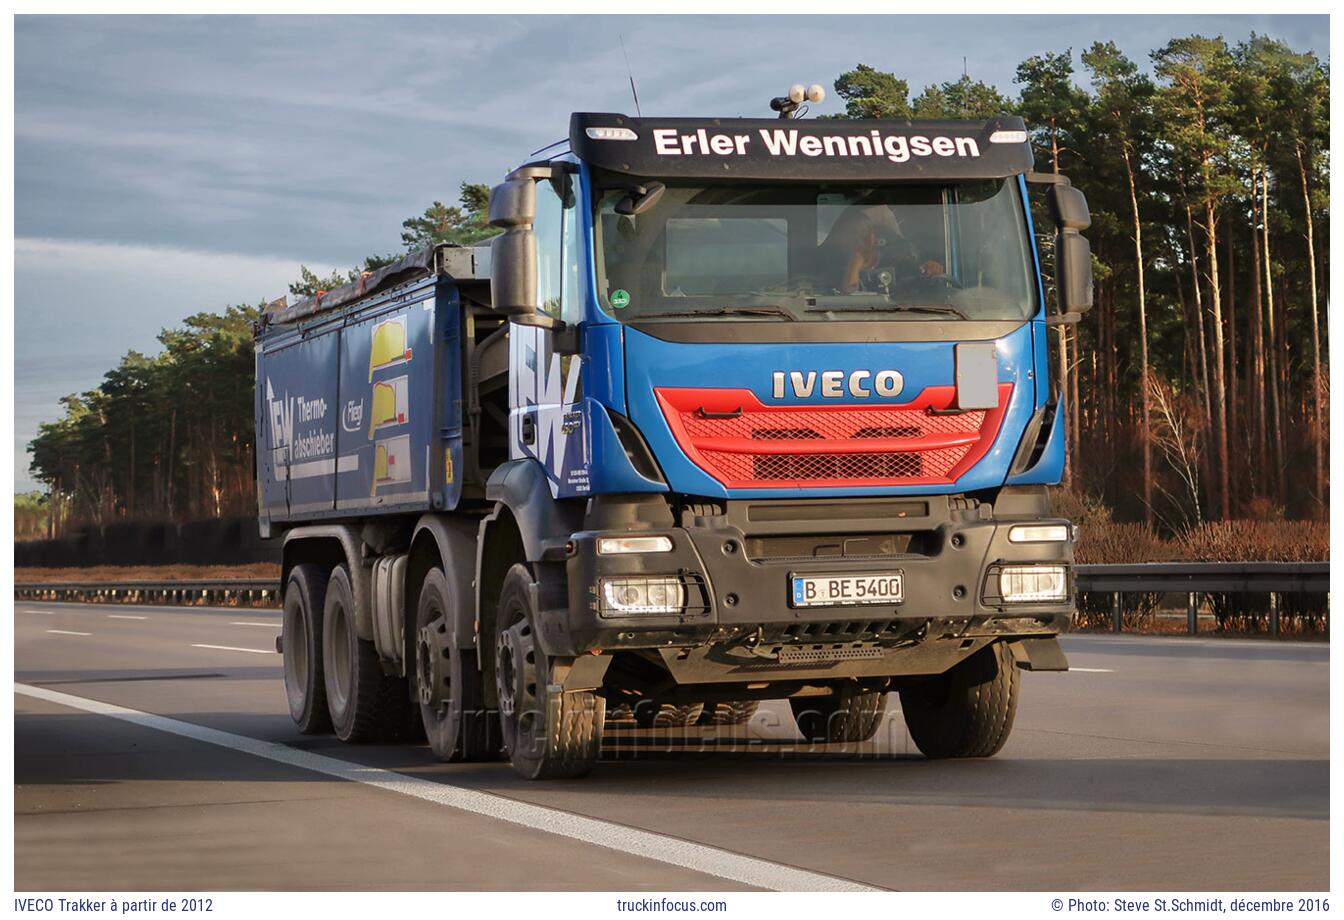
(730, 410)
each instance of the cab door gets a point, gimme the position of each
(546, 418)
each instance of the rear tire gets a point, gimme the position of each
(846, 716)
(652, 714)
(301, 631)
(967, 712)
(738, 712)
(365, 703)
(451, 698)
(548, 733)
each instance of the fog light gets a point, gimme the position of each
(627, 595)
(618, 546)
(1024, 583)
(1038, 533)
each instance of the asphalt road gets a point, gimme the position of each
(1157, 764)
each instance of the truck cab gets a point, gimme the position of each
(749, 409)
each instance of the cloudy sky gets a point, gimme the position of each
(165, 165)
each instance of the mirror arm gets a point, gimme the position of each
(1063, 319)
(564, 336)
(1040, 178)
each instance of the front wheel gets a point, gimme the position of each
(549, 733)
(966, 712)
(452, 707)
(845, 716)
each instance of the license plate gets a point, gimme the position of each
(846, 590)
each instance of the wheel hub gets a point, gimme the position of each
(516, 672)
(432, 673)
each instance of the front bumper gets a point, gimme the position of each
(735, 562)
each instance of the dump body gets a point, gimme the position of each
(359, 405)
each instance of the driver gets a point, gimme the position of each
(856, 240)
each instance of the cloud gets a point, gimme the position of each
(79, 306)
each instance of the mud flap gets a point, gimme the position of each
(1038, 654)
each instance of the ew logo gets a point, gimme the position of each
(280, 413)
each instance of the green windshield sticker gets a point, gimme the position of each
(620, 298)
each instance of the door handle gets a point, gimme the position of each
(529, 425)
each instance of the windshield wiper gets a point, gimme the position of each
(944, 309)
(727, 311)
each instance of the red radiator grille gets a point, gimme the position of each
(743, 443)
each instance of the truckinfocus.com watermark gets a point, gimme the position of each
(669, 905)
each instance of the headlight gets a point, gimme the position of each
(1023, 583)
(617, 546)
(1038, 533)
(623, 596)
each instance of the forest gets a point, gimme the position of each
(1196, 390)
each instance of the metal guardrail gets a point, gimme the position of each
(1190, 578)
(229, 591)
(1195, 579)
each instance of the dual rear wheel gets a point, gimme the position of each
(333, 679)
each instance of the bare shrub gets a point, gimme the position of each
(1101, 539)
(1272, 540)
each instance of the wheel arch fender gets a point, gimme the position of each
(448, 542)
(330, 545)
(544, 523)
(528, 525)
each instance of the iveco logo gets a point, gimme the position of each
(835, 384)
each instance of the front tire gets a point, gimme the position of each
(652, 714)
(967, 712)
(846, 716)
(549, 733)
(365, 703)
(451, 698)
(301, 631)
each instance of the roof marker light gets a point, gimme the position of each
(611, 134)
(1008, 137)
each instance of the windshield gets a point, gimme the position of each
(814, 252)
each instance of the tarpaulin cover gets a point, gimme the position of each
(414, 265)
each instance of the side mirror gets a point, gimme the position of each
(513, 272)
(1073, 272)
(1073, 254)
(513, 203)
(513, 254)
(640, 199)
(1068, 207)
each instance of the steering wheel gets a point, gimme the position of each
(918, 279)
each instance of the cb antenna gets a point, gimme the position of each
(631, 74)
(787, 106)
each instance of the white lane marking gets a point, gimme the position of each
(1092, 670)
(673, 851)
(67, 632)
(124, 616)
(234, 648)
(44, 613)
(245, 623)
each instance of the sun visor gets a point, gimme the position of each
(734, 149)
